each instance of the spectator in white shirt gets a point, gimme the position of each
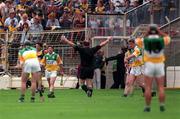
(36, 28)
(24, 20)
(10, 18)
(52, 21)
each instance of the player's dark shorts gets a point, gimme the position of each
(86, 72)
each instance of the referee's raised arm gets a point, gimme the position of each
(106, 41)
(64, 39)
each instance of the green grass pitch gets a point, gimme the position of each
(74, 104)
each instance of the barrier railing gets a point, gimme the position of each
(11, 43)
(125, 23)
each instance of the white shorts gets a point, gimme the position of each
(154, 69)
(31, 66)
(136, 71)
(50, 74)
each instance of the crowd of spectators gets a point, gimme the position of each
(18, 15)
(38, 15)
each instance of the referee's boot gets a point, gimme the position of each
(89, 92)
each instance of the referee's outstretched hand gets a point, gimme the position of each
(110, 38)
(63, 38)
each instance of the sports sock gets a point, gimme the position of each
(84, 87)
(40, 92)
(143, 90)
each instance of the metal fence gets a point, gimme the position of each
(172, 51)
(10, 44)
(9, 52)
(125, 23)
(105, 24)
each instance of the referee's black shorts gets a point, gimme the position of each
(86, 73)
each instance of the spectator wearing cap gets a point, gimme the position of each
(60, 11)
(66, 20)
(24, 20)
(11, 18)
(58, 3)
(52, 21)
(60, 8)
(36, 28)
